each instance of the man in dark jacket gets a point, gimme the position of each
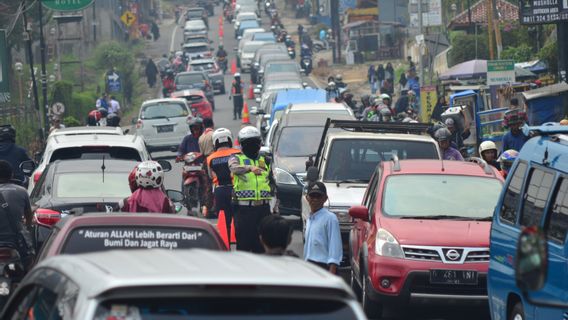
(11, 152)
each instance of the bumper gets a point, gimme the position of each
(410, 282)
(289, 197)
(246, 64)
(218, 82)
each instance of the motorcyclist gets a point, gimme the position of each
(237, 90)
(331, 91)
(339, 81)
(221, 53)
(15, 213)
(386, 115)
(168, 83)
(371, 113)
(93, 118)
(149, 196)
(104, 115)
(190, 142)
(443, 136)
(305, 51)
(458, 135)
(11, 152)
(506, 161)
(384, 102)
(488, 152)
(289, 42)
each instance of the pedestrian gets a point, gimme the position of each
(114, 107)
(380, 75)
(443, 136)
(275, 236)
(402, 81)
(252, 179)
(102, 102)
(155, 31)
(323, 246)
(411, 65)
(206, 140)
(237, 88)
(151, 73)
(514, 139)
(389, 72)
(439, 108)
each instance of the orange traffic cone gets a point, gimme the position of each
(245, 114)
(222, 228)
(233, 66)
(221, 31)
(220, 20)
(251, 91)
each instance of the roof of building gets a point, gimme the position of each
(504, 9)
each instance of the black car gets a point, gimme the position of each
(196, 80)
(78, 186)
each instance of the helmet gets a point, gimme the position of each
(450, 123)
(194, 121)
(338, 77)
(442, 134)
(95, 115)
(384, 96)
(249, 132)
(237, 75)
(222, 135)
(487, 145)
(331, 84)
(149, 174)
(507, 158)
(7, 133)
(220, 46)
(376, 101)
(103, 112)
(385, 112)
(288, 36)
(132, 180)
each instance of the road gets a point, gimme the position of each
(223, 117)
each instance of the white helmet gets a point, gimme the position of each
(384, 96)
(237, 75)
(487, 145)
(149, 174)
(222, 135)
(249, 132)
(331, 84)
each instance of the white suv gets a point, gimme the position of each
(163, 123)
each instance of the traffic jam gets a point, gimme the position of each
(246, 188)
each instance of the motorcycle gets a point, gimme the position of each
(306, 64)
(318, 45)
(222, 63)
(12, 271)
(291, 52)
(192, 176)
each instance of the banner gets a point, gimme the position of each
(500, 72)
(428, 99)
(4, 69)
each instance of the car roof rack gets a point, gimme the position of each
(371, 127)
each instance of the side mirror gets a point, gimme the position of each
(531, 260)
(175, 195)
(254, 110)
(239, 37)
(256, 91)
(126, 131)
(312, 174)
(258, 100)
(27, 167)
(259, 86)
(166, 165)
(37, 156)
(359, 212)
(181, 44)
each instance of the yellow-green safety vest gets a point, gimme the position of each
(251, 186)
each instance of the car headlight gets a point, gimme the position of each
(283, 177)
(342, 214)
(386, 245)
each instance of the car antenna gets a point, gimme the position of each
(103, 168)
(545, 159)
(442, 160)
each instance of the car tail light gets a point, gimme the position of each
(139, 124)
(47, 217)
(37, 175)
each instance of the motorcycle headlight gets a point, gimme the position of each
(283, 177)
(387, 246)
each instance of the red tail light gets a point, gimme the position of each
(47, 217)
(37, 175)
(139, 124)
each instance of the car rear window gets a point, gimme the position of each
(189, 78)
(195, 49)
(281, 67)
(252, 47)
(95, 239)
(234, 308)
(95, 152)
(195, 13)
(92, 185)
(163, 111)
(203, 66)
(196, 40)
(264, 37)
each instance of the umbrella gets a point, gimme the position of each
(473, 69)
(524, 74)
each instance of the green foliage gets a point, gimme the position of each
(519, 54)
(549, 53)
(464, 48)
(115, 56)
(71, 122)
(83, 102)
(62, 91)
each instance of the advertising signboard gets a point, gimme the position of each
(500, 72)
(543, 11)
(428, 99)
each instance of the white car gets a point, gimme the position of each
(247, 36)
(194, 27)
(247, 54)
(81, 131)
(244, 16)
(90, 146)
(163, 123)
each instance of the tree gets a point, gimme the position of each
(115, 56)
(520, 53)
(464, 48)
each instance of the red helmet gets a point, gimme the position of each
(132, 180)
(95, 114)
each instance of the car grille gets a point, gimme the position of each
(420, 283)
(449, 255)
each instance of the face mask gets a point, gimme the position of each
(251, 149)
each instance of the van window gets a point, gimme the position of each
(511, 199)
(536, 194)
(558, 221)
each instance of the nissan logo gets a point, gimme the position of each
(453, 255)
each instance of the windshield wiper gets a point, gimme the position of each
(352, 181)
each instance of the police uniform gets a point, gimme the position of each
(237, 89)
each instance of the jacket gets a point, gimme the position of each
(14, 155)
(148, 200)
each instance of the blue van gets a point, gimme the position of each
(535, 194)
(292, 96)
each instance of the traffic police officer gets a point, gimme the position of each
(252, 189)
(237, 88)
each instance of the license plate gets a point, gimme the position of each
(453, 277)
(191, 168)
(162, 129)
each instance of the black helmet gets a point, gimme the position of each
(104, 112)
(194, 121)
(7, 133)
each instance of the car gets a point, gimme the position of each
(281, 77)
(96, 232)
(246, 37)
(197, 50)
(247, 53)
(86, 130)
(265, 102)
(267, 37)
(244, 16)
(213, 71)
(194, 27)
(162, 123)
(276, 85)
(247, 24)
(289, 156)
(195, 80)
(196, 13)
(534, 200)
(180, 284)
(65, 147)
(69, 187)
(208, 6)
(264, 60)
(421, 233)
(267, 49)
(196, 39)
(197, 102)
(281, 67)
(246, 7)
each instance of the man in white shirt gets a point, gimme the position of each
(114, 108)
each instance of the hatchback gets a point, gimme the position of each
(213, 71)
(200, 106)
(196, 80)
(162, 123)
(198, 50)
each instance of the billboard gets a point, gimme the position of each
(543, 12)
(500, 72)
(431, 13)
(4, 69)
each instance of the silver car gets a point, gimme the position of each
(163, 123)
(181, 284)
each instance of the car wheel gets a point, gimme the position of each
(518, 313)
(373, 309)
(354, 284)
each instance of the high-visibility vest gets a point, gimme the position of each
(251, 186)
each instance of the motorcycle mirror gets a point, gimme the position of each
(126, 131)
(175, 195)
(27, 167)
(166, 165)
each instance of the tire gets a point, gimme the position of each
(354, 284)
(518, 312)
(373, 309)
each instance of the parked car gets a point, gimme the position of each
(197, 102)
(212, 69)
(535, 199)
(289, 157)
(197, 50)
(422, 233)
(247, 53)
(195, 80)
(162, 123)
(181, 284)
(194, 27)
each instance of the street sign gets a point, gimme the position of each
(4, 65)
(66, 5)
(543, 12)
(58, 108)
(128, 18)
(113, 82)
(500, 72)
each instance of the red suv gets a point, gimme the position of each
(422, 233)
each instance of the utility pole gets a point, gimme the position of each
(497, 28)
(469, 15)
(31, 58)
(336, 30)
(43, 110)
(420, 59)
(489, 12)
